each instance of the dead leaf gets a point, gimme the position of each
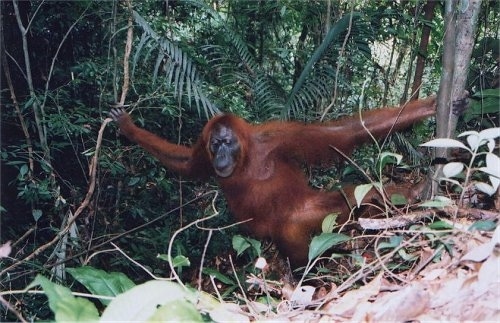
(482, 252)
(355, 298)
(303, 295)
(5, 249)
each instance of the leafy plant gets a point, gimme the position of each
(482, 161)
(243, 244)
(64, 305)
(483, 103)
(154, 300)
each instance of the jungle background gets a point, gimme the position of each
(75, 194)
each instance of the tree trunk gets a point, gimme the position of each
(422, 49)
(460, 26)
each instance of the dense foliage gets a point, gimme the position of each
(63, 68)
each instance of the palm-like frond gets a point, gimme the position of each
(402, 144)
(315, 83)
(241, 47)
(316, 80)
(180, 72)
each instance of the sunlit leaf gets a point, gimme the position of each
(142, 301)
(490, 133)
(452, 169)
(176, 311)
(445, 143)
(360, 192)
(329, 222)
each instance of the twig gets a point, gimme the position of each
(118, 236)
(202, 261)
(126, 56)
(413, 217)
(137, 264)
(394, 222)
(172, 239)
(12, 309)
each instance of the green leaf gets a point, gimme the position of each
(440, 225)
(483, 225)
(215, 273)
(393, 242)
(99, 282)
(398, 199)
(439, 201)
(240, 244)
(64, 305)
(388, 157)
(333, 34)
(133, 181)
(141, 302)
(23, 170)
(180, 261)
(177, 261)
(176, 311)
(329, 223)
(360, 192)
(495, 93)
(405, 256)
(37, 214)
(325, 241)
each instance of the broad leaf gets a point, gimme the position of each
(398, 199)
(240, 244)
(360, 192)
(438, 202)
(99, 282)
(329, 223)
(452, 169)
(393, 242)
(323, 242)
(176, 311)
(141, 302)
(64, 305)
(483, 225)
(445, 143)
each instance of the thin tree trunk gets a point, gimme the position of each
(8, 79)
(422, 49)
(37, 109)
(460, 26)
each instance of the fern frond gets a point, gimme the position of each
(180, 72)
(300, 94)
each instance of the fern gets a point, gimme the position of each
(180, 72)
(315, 83)
(317, 80)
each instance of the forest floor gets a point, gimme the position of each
(462, 287)
(463, 284)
